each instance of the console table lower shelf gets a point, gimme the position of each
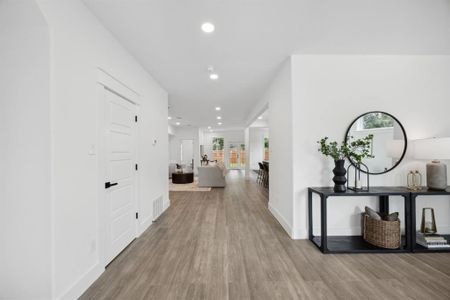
(354, 244)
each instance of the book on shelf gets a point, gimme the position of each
(433, 241)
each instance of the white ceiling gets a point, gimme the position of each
(252, 39)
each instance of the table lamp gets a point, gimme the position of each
(435, 149)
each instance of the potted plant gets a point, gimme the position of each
(357, 150)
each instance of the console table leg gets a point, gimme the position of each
(384, 205)
(408, 229)
(412, 225)
(323, 220)
(310, 220)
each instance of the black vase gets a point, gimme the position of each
(339, 178)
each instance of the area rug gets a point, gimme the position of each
(188, 187)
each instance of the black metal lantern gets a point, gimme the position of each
(358, 172)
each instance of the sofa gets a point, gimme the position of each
(211, 176)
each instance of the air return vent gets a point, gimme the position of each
(157, 207)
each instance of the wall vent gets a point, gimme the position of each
(158, 207)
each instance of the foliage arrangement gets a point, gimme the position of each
(354, 149)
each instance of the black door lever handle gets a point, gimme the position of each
(109, 184)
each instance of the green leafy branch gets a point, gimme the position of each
(357, 150)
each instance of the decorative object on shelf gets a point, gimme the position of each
(435, 149)
(357, 149)
(428, 225)
(339, 178)
(381, 233)
(414, 180)
(433, 241)
(338, 153)
(388, 144)
(355, 183)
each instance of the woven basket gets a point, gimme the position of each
(384, 234)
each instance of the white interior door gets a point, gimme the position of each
(120, 174)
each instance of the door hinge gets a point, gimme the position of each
(136, 167)
(137, 215)
(135, 119)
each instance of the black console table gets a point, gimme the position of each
(356, 244)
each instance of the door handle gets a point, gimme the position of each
(109, 184)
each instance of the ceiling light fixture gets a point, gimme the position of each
(219, 118)
(260, 118)
(212, 75)
(169, 118)
(220, 123)
(209, 127)
(208, 27)
(178, 123)
(218, 108)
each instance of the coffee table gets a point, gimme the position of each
(182, 178)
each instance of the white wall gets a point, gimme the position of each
(256, 148)
(79, 46)
(330, 91)
(279, 97)
(25, 251)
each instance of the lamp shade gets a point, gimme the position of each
(434, 148)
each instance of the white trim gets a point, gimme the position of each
(83, 283)
(117, 86)
(280, 219)
(144, 225)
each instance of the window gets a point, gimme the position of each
(266, 149)
(218, 152)
(377, 120)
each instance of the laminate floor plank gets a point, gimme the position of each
(225, 244)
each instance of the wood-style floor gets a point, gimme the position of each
(225, 244)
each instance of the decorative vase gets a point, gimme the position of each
(339, 178)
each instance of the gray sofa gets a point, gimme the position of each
(211, 176)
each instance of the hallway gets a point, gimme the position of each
(225, 244)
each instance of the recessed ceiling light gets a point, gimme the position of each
(209, 127)
(208, 27)
(260, 118)
(220, 123)
(213, 76)
(169, 118)
(178, 123)
(218, 108)
(219, 118)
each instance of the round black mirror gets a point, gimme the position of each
(389, 142)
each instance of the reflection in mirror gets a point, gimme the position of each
(389, 140)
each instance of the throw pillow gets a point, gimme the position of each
(372, 213)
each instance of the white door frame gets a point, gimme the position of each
(111, 84)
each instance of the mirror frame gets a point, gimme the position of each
(404, 134)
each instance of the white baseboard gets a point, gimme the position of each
(144, 225)
(83, 283)
(280, 220)
(300, 234)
